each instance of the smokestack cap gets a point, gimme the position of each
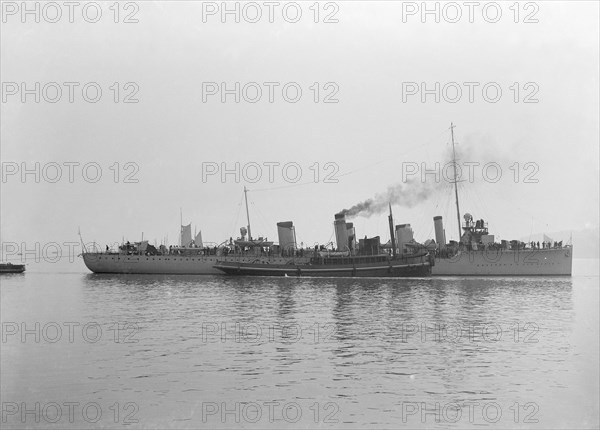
(435, 218)
(340, 215)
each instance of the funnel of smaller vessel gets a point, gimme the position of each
(351, 236)
(341, 232)
(404, 235)
(287, 236)
(440, 234)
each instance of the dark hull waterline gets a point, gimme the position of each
(374, 271)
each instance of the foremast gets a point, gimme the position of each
(247, 214)
(455, 181)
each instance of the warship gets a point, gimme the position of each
(250, 256)
(191, 257)
(478, 253)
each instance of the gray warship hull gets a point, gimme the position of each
(524, 262)
(170, 264)
(536, 262)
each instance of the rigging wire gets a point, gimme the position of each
(284, 186)
(237, 217)
(262, 219)
(393, 158)
(444, 205)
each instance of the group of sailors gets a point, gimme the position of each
(131, 249)
(513, 245)
(545, 245)
(193, 250)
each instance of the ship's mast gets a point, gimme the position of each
(81, 240)
(247, 213)
(455, 180)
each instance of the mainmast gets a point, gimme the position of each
(455, 180)
(247, 213)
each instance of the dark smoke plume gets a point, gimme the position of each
(407, 195)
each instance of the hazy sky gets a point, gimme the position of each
(379, 127)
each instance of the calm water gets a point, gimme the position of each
(189, 352)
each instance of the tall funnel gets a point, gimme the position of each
(404, 235)
(341, 232)
(287, 236)
(440, 234)
(351, 236)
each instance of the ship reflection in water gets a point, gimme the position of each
(369, 346)
(366, 350)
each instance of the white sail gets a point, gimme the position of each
(198, 239)
(186, 235)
